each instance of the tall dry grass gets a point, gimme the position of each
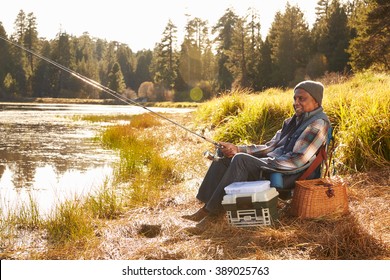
(141, 165)
(358, 109)
(105, 203)
(69, 222)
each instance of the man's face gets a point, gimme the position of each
(304, 102)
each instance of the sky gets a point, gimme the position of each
(139, 24)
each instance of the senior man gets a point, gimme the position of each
(293, 146)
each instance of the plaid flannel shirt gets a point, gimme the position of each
(308, 143)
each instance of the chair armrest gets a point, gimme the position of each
(289, 171)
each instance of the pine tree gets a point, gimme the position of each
(192, 49)
(238, 54)
(209, 69)
(126, 61)
(62, 54)
(41, 80)
(106, 64)
(30, 39)
(371, 47)
(164, 63)
(142, 71)
(19, 57)
(290, 43)
(85, 63)
(265, 66)
(331, 36)
(5, 61)
(224, 29)
(116, 81)
(254, 51)
(338, 37)
(322, 10)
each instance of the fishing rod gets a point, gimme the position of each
(115, 94)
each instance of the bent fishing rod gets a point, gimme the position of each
(111, 92)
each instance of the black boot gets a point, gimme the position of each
(197, 216)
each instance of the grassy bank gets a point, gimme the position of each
(138, 215)
(359, 110)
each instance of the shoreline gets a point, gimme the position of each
(80, 101)
(52, 100)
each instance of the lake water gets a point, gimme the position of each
(48, 156)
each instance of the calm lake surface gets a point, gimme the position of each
(47, 155)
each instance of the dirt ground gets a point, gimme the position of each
(161, 233)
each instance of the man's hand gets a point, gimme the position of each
(228, 149)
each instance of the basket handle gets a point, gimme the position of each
(330, 191)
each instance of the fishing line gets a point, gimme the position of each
(111, 92)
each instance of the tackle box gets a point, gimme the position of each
(252, 209)
(247, 187)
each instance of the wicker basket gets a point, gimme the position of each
(318, 198)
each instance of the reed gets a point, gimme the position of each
(141, 164)
(69, 221)
(144, 121)
(140, 121)
(23, 215)
(148, 186)
(105, 203)
(103, 118)
(28, 215)
(171, 104)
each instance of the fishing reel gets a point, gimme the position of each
(217, 155)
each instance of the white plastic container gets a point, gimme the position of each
(252, 209)
(262, 196)
(247, 187)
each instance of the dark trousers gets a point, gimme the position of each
(242, 167)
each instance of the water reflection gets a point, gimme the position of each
(30, 139)
(44, 151)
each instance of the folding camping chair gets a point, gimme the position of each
(284, 180)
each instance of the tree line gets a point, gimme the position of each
(347, 36)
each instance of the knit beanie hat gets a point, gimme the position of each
(315, 89)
